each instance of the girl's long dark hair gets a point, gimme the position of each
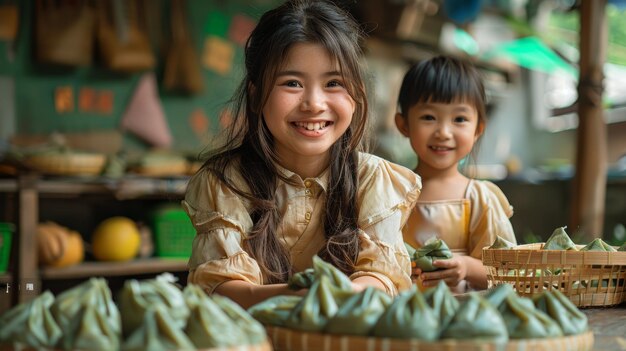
(249, 143)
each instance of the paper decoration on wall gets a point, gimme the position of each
(64, 99)
(216, 24)
(86, 99)
(95, 101)
(240, 28)
(144, 116)
(199, 122)
(218, 55)
(104, 103)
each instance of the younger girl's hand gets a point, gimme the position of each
(415, 272)
(454, 270)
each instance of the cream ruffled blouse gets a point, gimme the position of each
(387, 193)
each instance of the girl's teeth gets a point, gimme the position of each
(312, 126)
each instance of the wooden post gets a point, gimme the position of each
(28, 284)
(591, 149)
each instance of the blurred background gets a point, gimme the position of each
(106, 106)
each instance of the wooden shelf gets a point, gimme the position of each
(5, 278)
(109, 269)
(8, 185)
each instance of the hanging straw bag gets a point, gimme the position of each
(124, 46)
(64, 32)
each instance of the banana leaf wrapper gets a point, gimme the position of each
(320, 303)
(31, 324)
(598, 245)
(137, 297)
(622, 248)
(476, 319)
(496, 295)
(556, 305)
(442, 302)
(87, 314)
(559, 240)
(158, 331)
(302, 280)
(434, 249)
(523, 321)
(275, 310)
(253, 330)
(408, 317)
(501, 243)
(359, 313)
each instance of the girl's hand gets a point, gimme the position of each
(415, 272)
(454, 270)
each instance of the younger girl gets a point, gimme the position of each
(290, 182)
(442, 112)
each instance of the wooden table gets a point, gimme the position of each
(608, 326)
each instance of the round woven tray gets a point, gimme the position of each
(587, 278)
(284, 339)
(74, 163)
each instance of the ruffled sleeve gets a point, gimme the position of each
(387, 193)
(221, 220)
(490, 216)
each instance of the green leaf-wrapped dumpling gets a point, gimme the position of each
(523, 321)
(157, 331)
(476, 319)
(622, 248)
(320, 303)
(31, 324)
(208, 326)
(496, 295)
(434, 249)
(442, 302)
(275, 310)
(302, 280)
(136, 297)
(559, 240)
(562, 310)
(501, 243)
(88, 316)
(598, 245)
(252, 329)
(408, 316)
(360, 312)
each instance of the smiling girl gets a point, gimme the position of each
(442, 112)
(291, 181)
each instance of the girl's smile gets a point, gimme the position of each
(308, 109)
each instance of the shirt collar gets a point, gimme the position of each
(321, 180)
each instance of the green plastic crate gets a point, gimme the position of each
(6, 231)
(173, 232)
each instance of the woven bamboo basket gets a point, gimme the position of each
(71, 163)
(284, 339)
(587, 278)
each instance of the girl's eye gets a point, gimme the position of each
(293, 84)
(334, 84)
(427, 118)
(460, 119)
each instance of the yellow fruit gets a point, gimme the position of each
(116, 239)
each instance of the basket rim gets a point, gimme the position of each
(282, 338)
(533, 254)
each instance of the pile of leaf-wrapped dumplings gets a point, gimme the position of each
(560, 240)
(152, 315)
(330, 306)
